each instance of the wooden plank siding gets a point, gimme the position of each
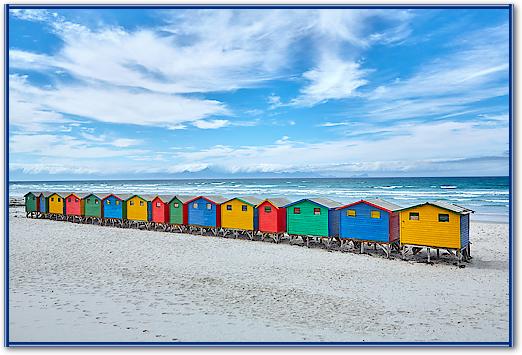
(137, 208)
(362, 226)
(238, 214)
(113, 207)
(271, 218)
(306, 222)
(92, 206)
(31, 202)
(428, 231)
(56, 204)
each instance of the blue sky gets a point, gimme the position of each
(133, 93)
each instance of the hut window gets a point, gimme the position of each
(96, 202)
(33, 198)
(158, 204)
(209, 206)
(297, 210)
(244, 208)
(414, 216)
(141, 203)
(109, 202)
(443, 217)
(317, 211)
(52, 199)
(229, 207)
(88, 200)
(350, 213)
(268, 209)
(131, 203)
(59, 199)
(75, 200)
(375, 214)
(117, 202)
(176, 205)
(69, 199)
(195, 205)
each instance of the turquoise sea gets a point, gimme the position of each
(488, 196)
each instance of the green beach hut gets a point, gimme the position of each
(178, 209)
(313, 217)
(32, 200)
(92, 205)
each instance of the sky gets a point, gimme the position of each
(206, 93)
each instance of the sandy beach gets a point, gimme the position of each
(71, 282)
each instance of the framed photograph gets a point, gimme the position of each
(258, 175)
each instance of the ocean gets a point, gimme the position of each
(487, 196)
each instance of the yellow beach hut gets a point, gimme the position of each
(56, 203)
(240, 213)
(138, 207)
(438, 225)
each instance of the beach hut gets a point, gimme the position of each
(204, 212)
(138, 208)
(32, 203)
(271, 215)
(44, 202)
(160, 212)
(370, 221)
(178, 210)
(92, 206)
(240, 213)
(56, 204)
(313, 217)
(114, 210)
(74, 206)
(438, 225)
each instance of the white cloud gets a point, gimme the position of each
(333, 124)
(125, 142)
(211, 124)
(30, 104)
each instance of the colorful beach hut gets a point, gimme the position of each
(436, 225)
(240, 213)
(56, 203)
(32, 202)
(73, 204)
(92, 205)
(205, 211)
(43, 206)
(370, 221)
(160, 208)
(373, 220)
(114, 206)
(272, 215)
(316, 217)
(138, 208)
(178, 209)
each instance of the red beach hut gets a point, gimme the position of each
(272, 215)
(73, 205)
(160, 208)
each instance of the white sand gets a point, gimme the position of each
(72, 282)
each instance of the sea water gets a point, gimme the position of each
(489, 197)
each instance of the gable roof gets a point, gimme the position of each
(164, 198)
(33, 193)
(375, 202)
(275, 201)
(47, 193)
(249, 200)
(183, 198)
(97, 195)
(215, 199)
(123, 197)
(321, 201)
(444, 205)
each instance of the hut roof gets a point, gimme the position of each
(276, 201)
(183, 198)
(444, 205)
(217, 199)
(36, 193)
(47, 193)
(376, 202)
(84, 195)
(322, 201)
(123, 197)
(164, 198)
(250, 200)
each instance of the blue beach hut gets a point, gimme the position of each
(114, 206)
(204, 211)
